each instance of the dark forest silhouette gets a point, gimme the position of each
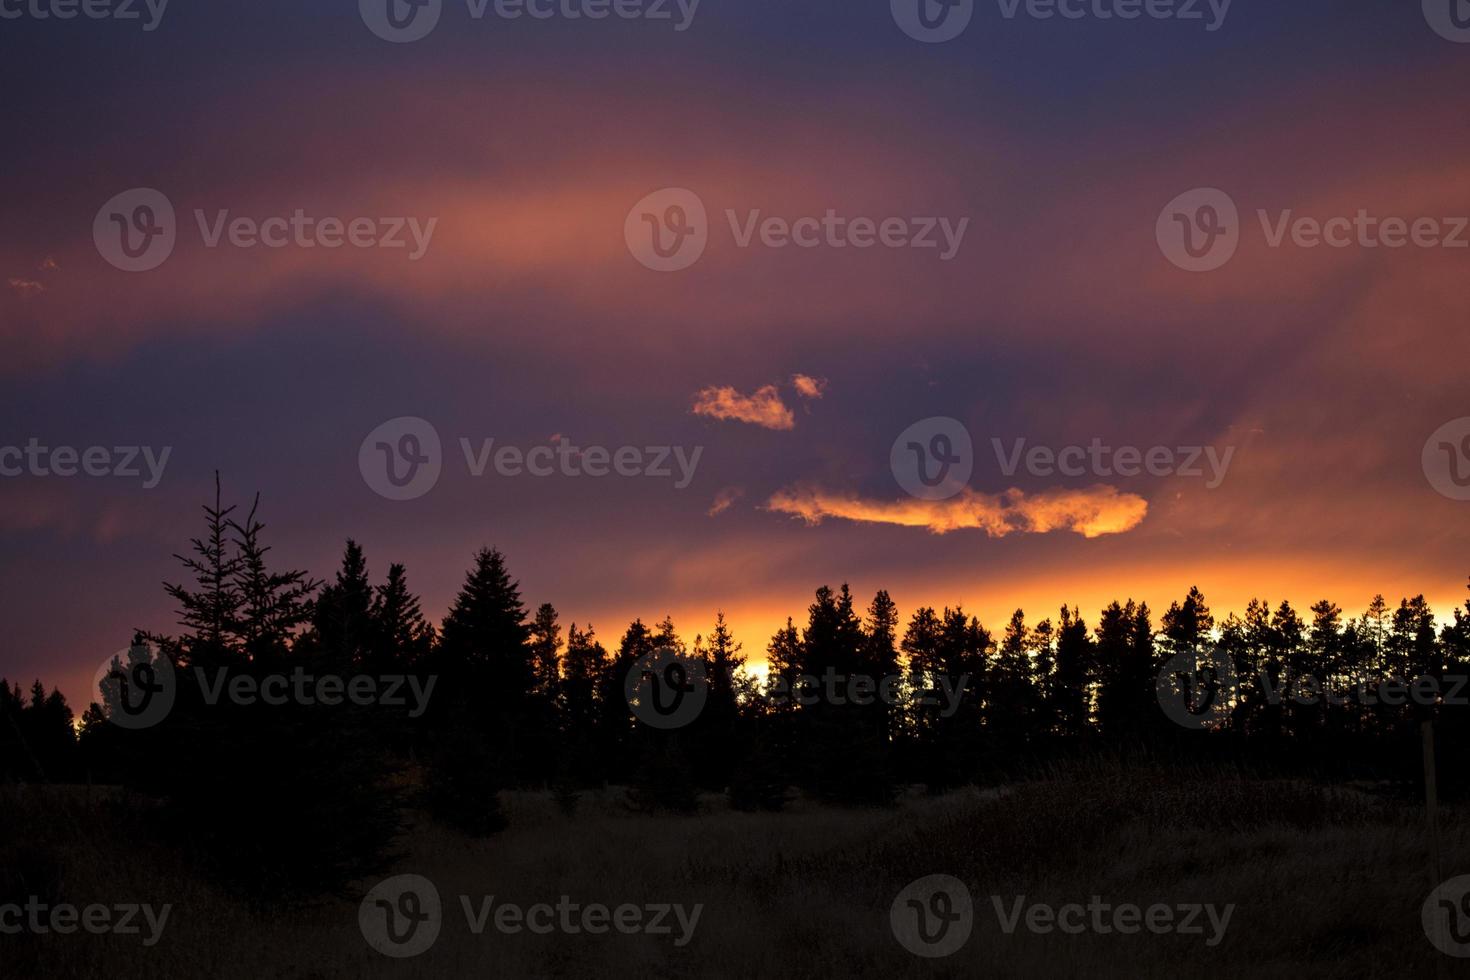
(307, 797)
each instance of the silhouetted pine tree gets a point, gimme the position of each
(718, 729)
(400, 639)
(278, 799)
(342, 620)
(541, 726)
(585, 668)
(484, 667)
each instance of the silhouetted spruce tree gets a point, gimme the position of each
(1126, 672)
(37, 739)
(1074, 675)
(278, 798)
(829, 732)
(483, 665)
(717, 730)
(881, 661)
(617, 723)
(209, 611)
(584, 670)
(1012, 700)
(342, 620)
(542, 737)
(273, 605)
(773, 704)
(400, 637)
(966, 752)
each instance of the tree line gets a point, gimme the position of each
(294, 796)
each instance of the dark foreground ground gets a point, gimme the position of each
(1324, 883)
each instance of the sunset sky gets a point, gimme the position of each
(1058, 320)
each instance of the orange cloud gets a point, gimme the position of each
(724, 500)
(807, 386)
(1091, 512)
(763, 408)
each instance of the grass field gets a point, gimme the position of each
(1325, 883)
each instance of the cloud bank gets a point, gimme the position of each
(1090, 512)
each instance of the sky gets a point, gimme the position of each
(512, 172)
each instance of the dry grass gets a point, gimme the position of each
(1325, 884)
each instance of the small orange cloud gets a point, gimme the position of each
(807, 386)
(1091, 512)
(27, 287)
(763, 408)
(724, 500)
